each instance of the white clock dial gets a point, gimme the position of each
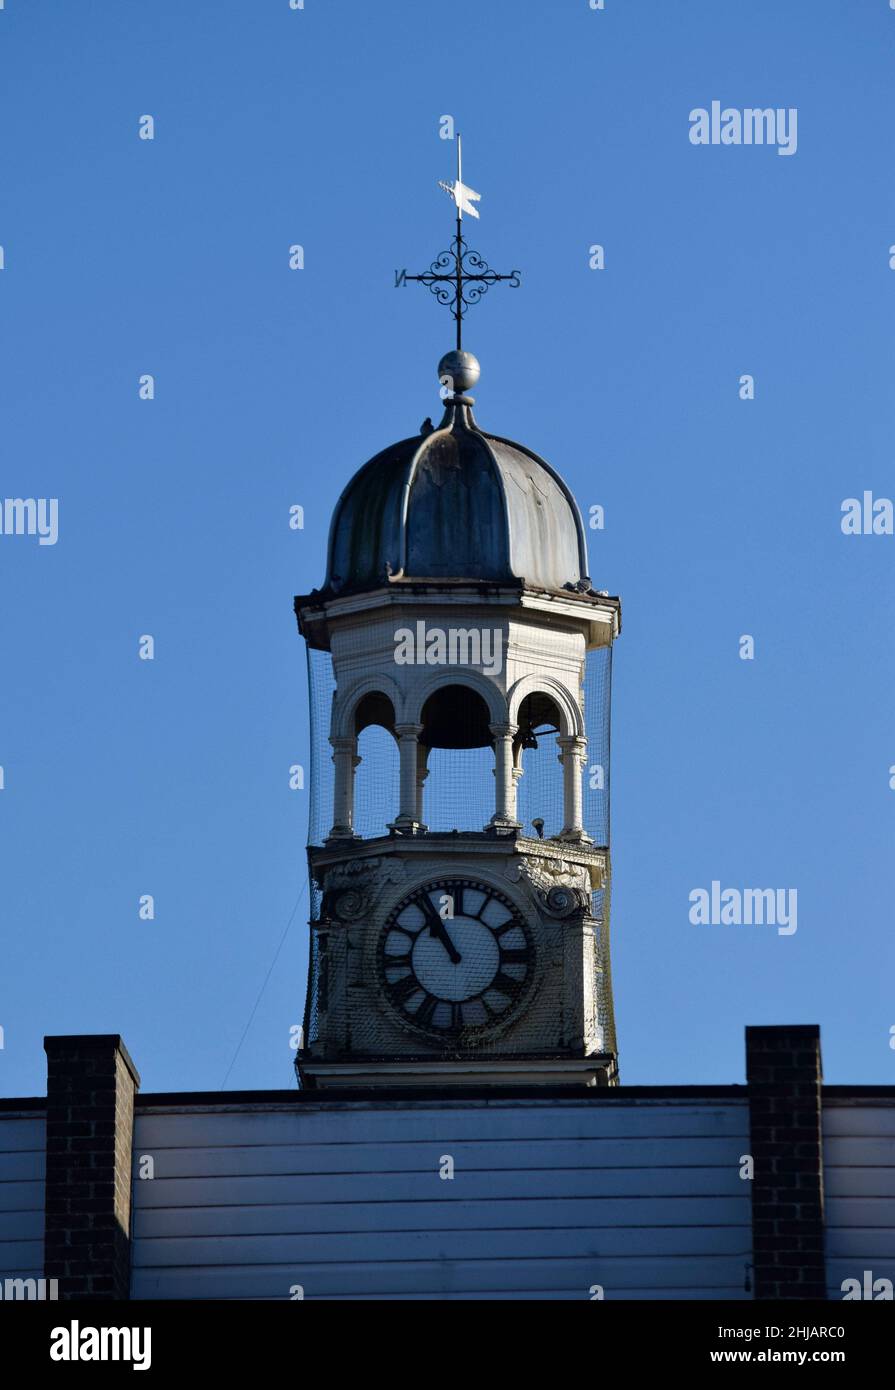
(455, 955)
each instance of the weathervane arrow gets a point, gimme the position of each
(459, 277)
(463, 197)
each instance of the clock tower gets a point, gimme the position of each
(459, 664)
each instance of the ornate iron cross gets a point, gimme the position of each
(459, 276)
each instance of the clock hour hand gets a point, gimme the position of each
(439, 930)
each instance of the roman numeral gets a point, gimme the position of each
(424, 903)
(426, 1010)
(401, 990)
(505, 984)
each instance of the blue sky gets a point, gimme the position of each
(170, 257)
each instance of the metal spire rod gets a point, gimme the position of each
(457, 241)
(459, 276)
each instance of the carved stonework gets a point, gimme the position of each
(559, 887)
(350, 903)
(350, 889)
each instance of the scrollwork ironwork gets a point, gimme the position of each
(459, 277)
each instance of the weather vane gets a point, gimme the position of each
(459, 277)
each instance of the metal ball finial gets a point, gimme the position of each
(459, 370)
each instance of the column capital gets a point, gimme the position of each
(409, 730)
(503, 729)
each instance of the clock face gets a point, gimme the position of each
(455, 955)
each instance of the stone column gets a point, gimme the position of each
(346, 760)
(422, 772)
(518, 774)
(504, 817)
(573, 756)
(408, 745)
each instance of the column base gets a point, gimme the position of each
(405, 825)
(502, 826)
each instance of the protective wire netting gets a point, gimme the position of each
(458, 789)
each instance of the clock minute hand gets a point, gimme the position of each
(439, 930)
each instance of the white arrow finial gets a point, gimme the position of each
(463, 197)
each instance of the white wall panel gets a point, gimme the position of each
(548, 1198)
(859, 1170)
(22, 1166)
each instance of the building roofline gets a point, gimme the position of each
(596, 1094)
(426, 1095)
(870, 1092)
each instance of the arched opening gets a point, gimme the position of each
(376, 770)
(456, 751)
(540, 797)
(374, 708)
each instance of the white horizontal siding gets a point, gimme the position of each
(227, 1192)
(22, 1166)
(360, 1122)
(345, 1199)
(491, 1156)
(859, 1176)
(367, 1215)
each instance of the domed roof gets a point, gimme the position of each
(455, 502)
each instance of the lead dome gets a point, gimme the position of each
(456, 502)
